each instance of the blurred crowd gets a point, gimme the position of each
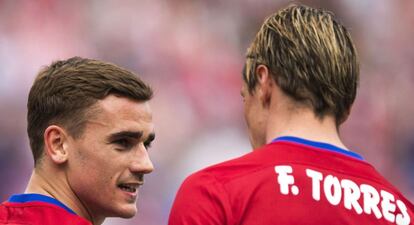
(192, 52)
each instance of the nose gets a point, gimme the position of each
(141, 163)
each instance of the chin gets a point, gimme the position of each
(127, 216)
(126, 212)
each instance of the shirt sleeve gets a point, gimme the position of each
(201, 200)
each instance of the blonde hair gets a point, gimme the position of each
(311, 57)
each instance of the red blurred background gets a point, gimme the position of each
(192, 53)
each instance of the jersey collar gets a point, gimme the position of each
(23, 198)
(319, 145)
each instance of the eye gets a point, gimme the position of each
(147, 144)
(148, 141)
(124, 143)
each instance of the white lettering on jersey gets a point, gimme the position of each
(351, 195)
(316, 180)
(285, 179)
(404, 218)
(362, 198)
(388, 208)
(371, 200)
(332, 189)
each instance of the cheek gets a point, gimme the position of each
(249, 113)
(91, 174)
(89, 165)
(246, 108)
(245, 112)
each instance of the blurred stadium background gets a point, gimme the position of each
(192, 53)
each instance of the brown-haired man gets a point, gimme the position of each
(300, 80)
(89, 125)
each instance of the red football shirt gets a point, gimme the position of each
(291, 181)
(36, 209)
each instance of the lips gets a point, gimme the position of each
(129, 187)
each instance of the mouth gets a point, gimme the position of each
(129, 187)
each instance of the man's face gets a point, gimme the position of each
(254, 115)
(107, 163)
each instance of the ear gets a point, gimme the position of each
(56, 146)
(265, 85)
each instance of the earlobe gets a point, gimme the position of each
(265, 83)
(56, 146)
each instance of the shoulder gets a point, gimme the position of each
(232, 169)
(206, 193)
(202, 195)
(3, 213)
(38, 213)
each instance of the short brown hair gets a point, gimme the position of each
(311, 57)
(63, 92)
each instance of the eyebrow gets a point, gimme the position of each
(131, 134)
(126, 134)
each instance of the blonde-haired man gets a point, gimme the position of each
(300, 80)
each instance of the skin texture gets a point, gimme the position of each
(85, 173)
(256, 108)
(270, 113)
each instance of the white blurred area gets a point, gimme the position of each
(192, 52)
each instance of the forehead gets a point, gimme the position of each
(119, 113)
(113, 104)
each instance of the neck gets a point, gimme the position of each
(304, 124)
(54, 184)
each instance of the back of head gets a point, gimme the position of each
(311, 58)
(64, 92)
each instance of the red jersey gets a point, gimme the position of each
(36, 209)
(291, 181)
